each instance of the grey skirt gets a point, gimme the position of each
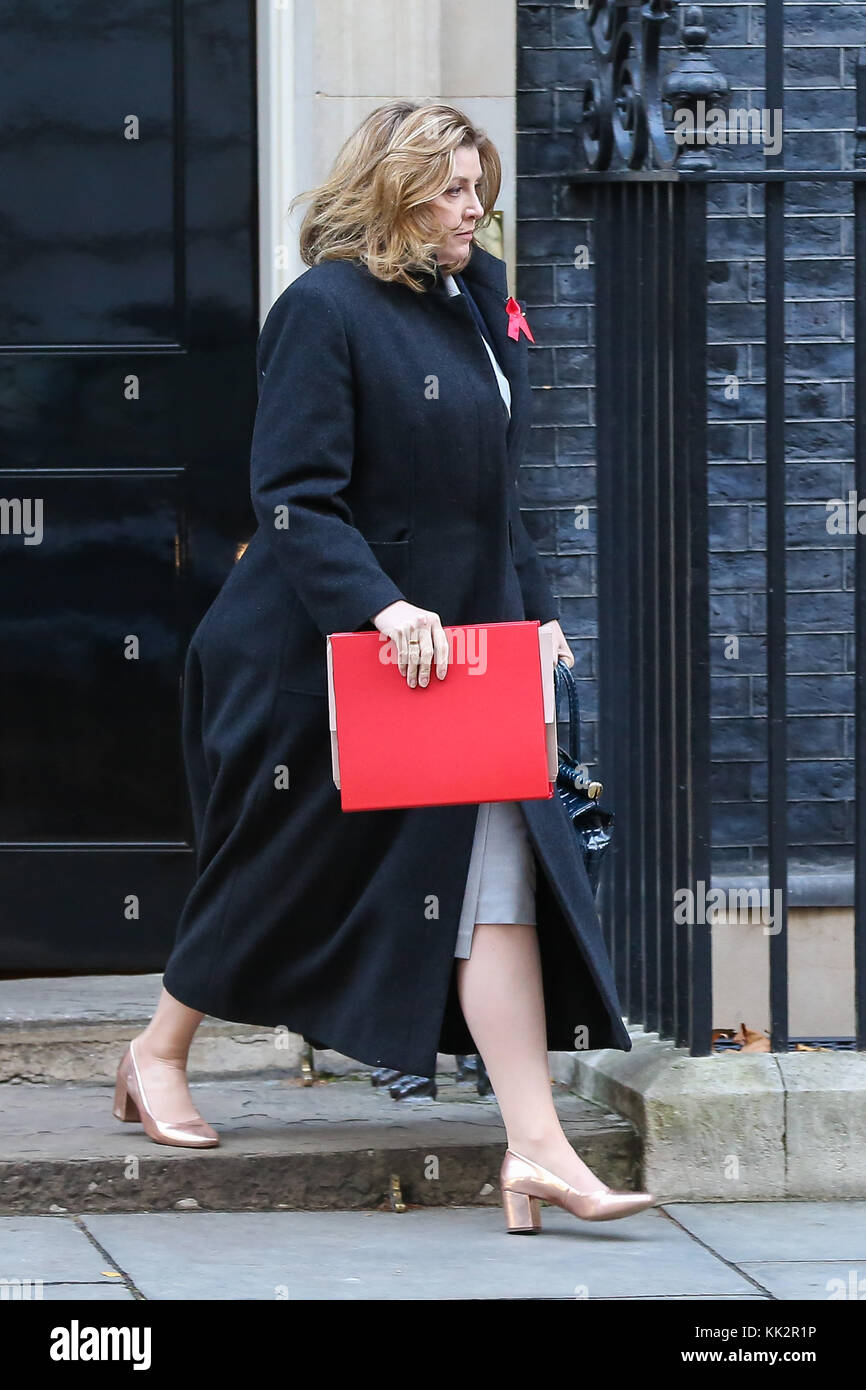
(500, 884)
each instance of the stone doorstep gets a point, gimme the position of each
(76, 1029)
(734, 1126)
(333, 1145)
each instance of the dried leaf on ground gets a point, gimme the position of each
(751, 1040)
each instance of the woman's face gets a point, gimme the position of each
(458, 208)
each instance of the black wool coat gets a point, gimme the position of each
(383, 466)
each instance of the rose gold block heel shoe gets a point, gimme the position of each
(525, 1184)
(130, 1104)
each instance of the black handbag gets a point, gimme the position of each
(592, 821)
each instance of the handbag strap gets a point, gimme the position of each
(564, 676)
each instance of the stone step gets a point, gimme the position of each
(76, 1028)
(338, 1144)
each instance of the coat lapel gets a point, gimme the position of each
(487, 279)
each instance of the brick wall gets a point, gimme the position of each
(822, 40)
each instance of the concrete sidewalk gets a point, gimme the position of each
(749, 1251)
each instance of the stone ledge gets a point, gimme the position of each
(832, 888)
(331, 1146)
(734, 1126)
(76, 1028)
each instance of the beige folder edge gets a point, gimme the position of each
(545, 651)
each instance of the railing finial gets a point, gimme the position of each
(694, 86)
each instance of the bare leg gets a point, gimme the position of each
(501, 995)
(162, 1050)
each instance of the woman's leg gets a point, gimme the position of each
(162, 1051)
(501, 995)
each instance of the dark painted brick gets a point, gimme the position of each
(561, 325)
(729, 695)
(807, 67)
(574, 366)
(573, 576)
(569, 114)
(728, 199)
(727, 280)
(729, 613)
(739, 738)
(541, 447)
(830, 823)
(739, 570)
(814, 569)
(570, 540)
(575, 444)
(823, 278)
(536, 111)
(730, 781)
(737, 321)
(820, 360)
(534, 26)
(734, 236)
(748, 404)
(575, 202)
(535, 284)
(751, 655)
(809, 652)
(553, 405)
(728, 528)
(818, 109)
(548, 153)
(534, 199)
(578, 616)
(830, 612)
(818, 234)
(815, 320)
(541, 366)
(816, 737)
(737, 822)
(728, 442)
(735, 482)
(816, 694)
(816, 150)
(544, 240)
(813, 25)
(726, 359)
(820, 439)
(573, 286)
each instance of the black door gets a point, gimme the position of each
(128, 323)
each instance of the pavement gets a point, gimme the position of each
(699, 1252)
(334, 1191)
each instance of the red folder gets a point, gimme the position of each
(487, 732)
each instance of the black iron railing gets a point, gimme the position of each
(649, 207)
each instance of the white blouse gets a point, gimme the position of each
(504, 388)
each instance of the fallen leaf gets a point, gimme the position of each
(751, 1040)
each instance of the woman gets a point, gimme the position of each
(393, 410)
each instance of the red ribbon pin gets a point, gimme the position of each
(517, 320)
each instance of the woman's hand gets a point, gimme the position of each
(419, 638)
(560, 646)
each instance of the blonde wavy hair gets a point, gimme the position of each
(372, 205)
